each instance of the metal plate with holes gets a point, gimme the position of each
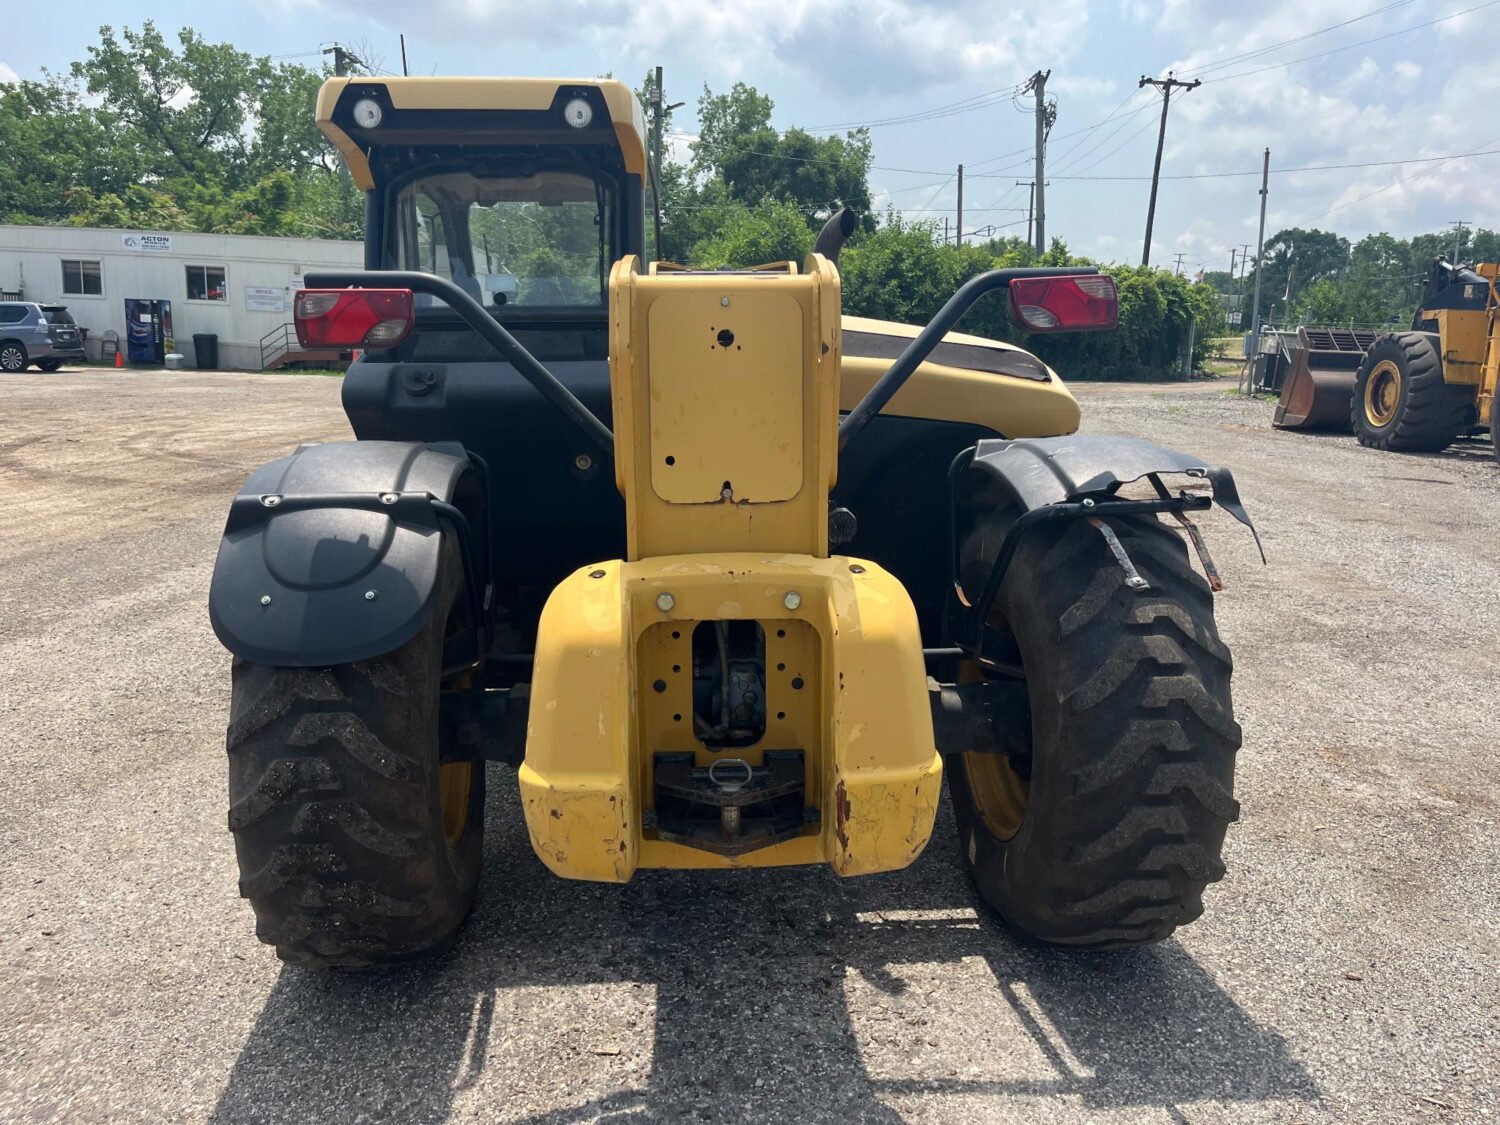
(733, 375)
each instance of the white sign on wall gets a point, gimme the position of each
(263, 298)
(137, 241)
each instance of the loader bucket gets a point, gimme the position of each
(1317, 392)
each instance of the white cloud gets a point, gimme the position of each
(8, 76)
(887, 45)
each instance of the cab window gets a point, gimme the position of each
(540, 241)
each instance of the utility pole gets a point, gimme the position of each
(1166, 86)
(1458, 236)
(659, 111)
(342, 57)
(958, 232)
(1260, 249)
(656, 129)
(1244, 269)
(1030, 208)
(1045, 115)
(1178, 270)
(946, 234)
(404, 72)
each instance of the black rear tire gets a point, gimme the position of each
(338, 804)
(1117, 815)
(49, 365)
(1401, 401)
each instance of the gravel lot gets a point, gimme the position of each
(1346, 969)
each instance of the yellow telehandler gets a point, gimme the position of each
(731, 581)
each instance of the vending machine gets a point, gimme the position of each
(148, 330)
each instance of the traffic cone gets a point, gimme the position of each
(119, 359)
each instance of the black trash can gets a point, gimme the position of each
(205, 351)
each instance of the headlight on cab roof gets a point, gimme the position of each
(367, 113)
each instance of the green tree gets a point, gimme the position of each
(774, 231)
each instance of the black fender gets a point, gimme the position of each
(1077, 477)
(331, 555)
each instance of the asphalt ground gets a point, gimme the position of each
(1345, 971)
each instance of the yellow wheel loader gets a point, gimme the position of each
(732, 581)
(1412, 391)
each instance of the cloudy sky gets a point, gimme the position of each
(1321, 82)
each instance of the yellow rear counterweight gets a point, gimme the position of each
(726, 410)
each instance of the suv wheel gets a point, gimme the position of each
(13, 358)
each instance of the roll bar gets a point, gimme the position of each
(930, 337)
(552, 389)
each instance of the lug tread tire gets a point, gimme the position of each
(1430, 412)
(335, 810)
(1134, 741)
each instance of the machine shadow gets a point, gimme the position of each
(751, 973)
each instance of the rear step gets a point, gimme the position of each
(731, 807)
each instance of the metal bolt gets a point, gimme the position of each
(265, 599)
(856, 569)
(388, 497)
(583, 462)
(596, 574)
(270, 501)
(724, 301)
(369, 595)
(792, 599)
(1136, 583)
(1088, 503)
(665, 602)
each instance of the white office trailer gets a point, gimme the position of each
(234, 286)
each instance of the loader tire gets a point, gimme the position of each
(356, 847)
(1401, 401)
(1106, 834)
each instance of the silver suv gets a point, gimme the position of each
(46, 335)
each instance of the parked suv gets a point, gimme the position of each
(46, 335)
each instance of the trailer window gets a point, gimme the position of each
(82, 278)
(538, 241)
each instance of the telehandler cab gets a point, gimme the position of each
(587, 529)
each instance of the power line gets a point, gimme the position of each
(964, 105)
(1303, 168)
(1101, 159)
(1219, 64)
(1104, 140)
(1126, 100)
(932, 197)
(1360, 43)
(1404, 180)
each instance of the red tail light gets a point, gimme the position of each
(352, 318)
(1084, 303)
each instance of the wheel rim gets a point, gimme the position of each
(999, 793)
(11, 359)
(455, 785)
(1382, 393)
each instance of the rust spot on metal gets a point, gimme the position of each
(841, 815)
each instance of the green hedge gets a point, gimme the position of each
(900, 273)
